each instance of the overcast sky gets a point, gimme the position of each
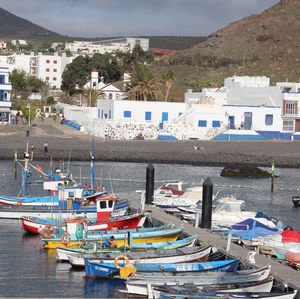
(97, 18)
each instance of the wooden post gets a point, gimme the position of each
(273, 176)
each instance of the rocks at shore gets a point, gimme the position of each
(244, 172)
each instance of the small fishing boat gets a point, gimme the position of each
(215, 295)
(62, 253)
(111, 213)
(69, 238)
(111, 270)
(141, 284)
(179, 255)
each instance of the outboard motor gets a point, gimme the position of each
(296, 201)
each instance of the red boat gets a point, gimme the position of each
(111, 214)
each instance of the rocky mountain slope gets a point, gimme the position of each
(261, 44)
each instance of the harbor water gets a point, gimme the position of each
(28, 270)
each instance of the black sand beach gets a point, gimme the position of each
(64, 141)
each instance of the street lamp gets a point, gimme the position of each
(28, 107)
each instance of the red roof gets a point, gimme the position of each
(94, 70)
(159, 51)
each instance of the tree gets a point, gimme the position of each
(18, 81)
(168, 79)
(92, 95)
(143, 84)
(45, 92)
(28, 111)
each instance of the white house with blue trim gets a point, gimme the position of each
(5, 93)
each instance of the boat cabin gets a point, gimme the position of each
(110, 206)
(234, 206)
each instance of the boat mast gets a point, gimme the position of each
(25, 172)
(92, 167)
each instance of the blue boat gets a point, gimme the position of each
(109, 270)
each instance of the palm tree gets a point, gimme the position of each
(92, 95)
(143, 84)
(168, 79)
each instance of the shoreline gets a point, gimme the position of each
(64, 141)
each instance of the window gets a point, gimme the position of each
(47, 61)
(47, 70)
(269, 120)
(99, 111)
(102, 114)
(54, 78)
(54, 87)
(288, 125)
(202, 123)
(216, 124)
(2, 79)
(71, 194)
(180, 113)
(110, 96)
(54, 70)
(147, 115)
(127, 114)
(165, 116)
(291, 108)
(47, 78)
(55, 61)
(109, 114)
(110, 203)
(102, 204)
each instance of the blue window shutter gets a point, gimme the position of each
(202, 123)
(216, 124)
(127, 114)
(148, 115)
(269, 119)
(165, 116)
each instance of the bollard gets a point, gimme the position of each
(273, 176)
(207, 204)
(15, 164)
(149, 184)
(27, 133)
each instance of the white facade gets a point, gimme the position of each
(139, 111)
(48, 68)
(107, 46)
(21, 42)
(5, 91)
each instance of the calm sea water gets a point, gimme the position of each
(27, 270)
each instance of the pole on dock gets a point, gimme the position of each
(273, 176)
(149, 183)
(207, 204)
(197, 220)
(15, 164)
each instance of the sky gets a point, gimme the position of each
(102, 18)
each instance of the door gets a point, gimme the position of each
(164, 116)
(248, 120)
(297, 125)
(231, 122)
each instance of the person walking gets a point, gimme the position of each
(46, 147)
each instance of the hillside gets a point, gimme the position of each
(12, 26)
(262, 44)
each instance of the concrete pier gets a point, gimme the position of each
(282, 273)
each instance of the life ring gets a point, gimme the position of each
(120, 257)
(65, 238)
(48, 231)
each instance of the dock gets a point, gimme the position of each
(282, 273)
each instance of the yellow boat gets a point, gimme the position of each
(120, 239)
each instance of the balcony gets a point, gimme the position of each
(5, 104)
(6, 87)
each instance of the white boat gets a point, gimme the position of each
(143, 285)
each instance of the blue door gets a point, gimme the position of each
(165, 116)
(248, 120)
(231, 122)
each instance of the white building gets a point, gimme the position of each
(48, 68)
(5, 90)
(107, 46)
(20, 42)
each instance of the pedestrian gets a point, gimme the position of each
(46, 147)
(31, 149)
